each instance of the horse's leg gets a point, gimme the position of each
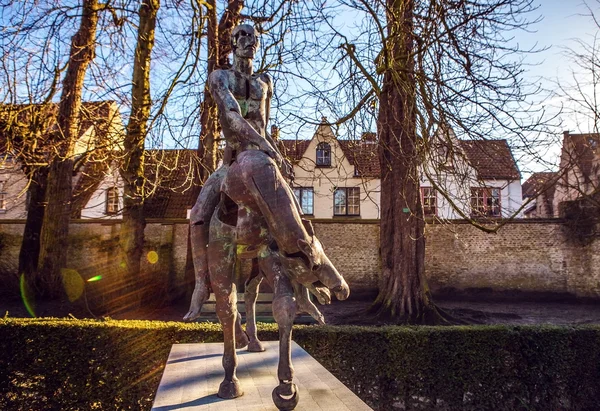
(285, 395)
(199, 229)
(250, 296)
(221, 264)
(241, 338)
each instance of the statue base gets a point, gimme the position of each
(194, 371)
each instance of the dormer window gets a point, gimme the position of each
(323, 155)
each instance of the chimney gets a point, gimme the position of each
(274, 132)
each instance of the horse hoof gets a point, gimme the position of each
(256, 346)
(285, 396)
(191, 316)
(241, 340)
(230, 389)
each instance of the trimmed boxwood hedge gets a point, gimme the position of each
(72, 364)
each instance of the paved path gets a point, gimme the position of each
(194, 371)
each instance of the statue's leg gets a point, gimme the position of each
(199, 227)
(221, 264)
(273, 196)
(285, 395)
(306, 305)
(250, 296)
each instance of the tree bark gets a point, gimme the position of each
(404, 295)
(209, 126)
(131, 236)
(55, 227)
(30, 245)
(229, 20)
(219, 47)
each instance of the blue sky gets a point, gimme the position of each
(562, 22)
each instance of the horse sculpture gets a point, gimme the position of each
(244, 225)
(247, 210)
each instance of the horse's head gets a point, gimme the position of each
(311, 268)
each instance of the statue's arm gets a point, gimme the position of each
(231, 113)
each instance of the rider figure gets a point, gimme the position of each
(243, 99)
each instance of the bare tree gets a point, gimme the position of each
(423, 68)
(55, 227)
(131, 237)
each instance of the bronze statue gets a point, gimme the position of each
(247, 210)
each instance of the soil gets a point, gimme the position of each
(354, 312)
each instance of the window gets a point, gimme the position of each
(429, 200)
(346, 201)
(305, 196)
(323, 155)
(112, 200)
(3, 195)
(485, 202)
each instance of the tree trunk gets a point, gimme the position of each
(209, 126)
(131, 236)
(229, 20)
(30, 245)
(219, 47)
(55, 227)
(404, 295)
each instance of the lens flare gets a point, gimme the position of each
(27, 296)
(152, 257)
(73, 283)
(94, 278)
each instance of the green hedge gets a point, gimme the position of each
(80, 364)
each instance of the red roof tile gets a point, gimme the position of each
(492, 159)
(538, 183)
(363, 155)
(293, 150)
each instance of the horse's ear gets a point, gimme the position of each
(308, 227)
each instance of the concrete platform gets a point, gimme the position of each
(193, 373)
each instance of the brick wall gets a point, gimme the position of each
(528, 256)
(525, 255)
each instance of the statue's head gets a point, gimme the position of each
(244, 41)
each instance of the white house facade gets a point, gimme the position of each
(337, 178)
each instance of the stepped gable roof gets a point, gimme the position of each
(492, 159)
(583, 151)
(173, 182)
(538, 183)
